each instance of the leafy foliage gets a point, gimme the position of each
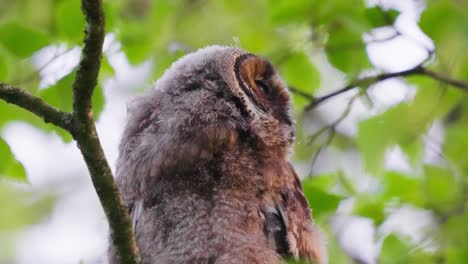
(21, 41)
(20, 209)
(10, 167)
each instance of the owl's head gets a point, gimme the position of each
(215, 102)
(210, 100)
(229, 85)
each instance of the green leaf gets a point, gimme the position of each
(397, 250)
(16, 172)
(106, 69)
(22, 73)
(414, 150)
(346, 183)
(393, 250)
(61, 95)
(374, 136)
(22, 208)
(37, 14)
(345, 48)
(10, 168)
(322, 181)
(433, 99)
(346, 51)
(70, 21)
(405, 188)
(284, 11)
(450, 44)
(455, 146)
(143, 36)
(3, 67)
(299, 72)
(20, 40)
(454, 229)
(111, 9)
(378, 17)
(455, 238)
(441, 188)
(402, 124)
(135, 42)
(320, 201)
(229, 27)
(372, 207)
(7, 156)
(293, 261)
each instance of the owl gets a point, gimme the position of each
(203, 166)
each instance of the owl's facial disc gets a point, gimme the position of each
(261, 89)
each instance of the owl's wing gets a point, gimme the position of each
(289, 223)
(135, 209)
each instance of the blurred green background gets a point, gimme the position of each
(384, 165)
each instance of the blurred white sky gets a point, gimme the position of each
(77, 229)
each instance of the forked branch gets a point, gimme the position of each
(367, 81)
(80, 124)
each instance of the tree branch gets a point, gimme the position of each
(308, 96)
(462, 85)
(367, 81)
(86, 135)
(81, 126)
(90, 62)
(35, 105)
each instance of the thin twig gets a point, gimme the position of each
(35, 105)
(308, 96)
(445, 79)
(388, 38)
(33, 75)
(367, 81)
(330, 136)
(331, 129)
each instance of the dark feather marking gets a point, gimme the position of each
(275, 229)
(242, 108)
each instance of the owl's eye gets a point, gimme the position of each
(262, 85)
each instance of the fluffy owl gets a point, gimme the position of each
(203, 166)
